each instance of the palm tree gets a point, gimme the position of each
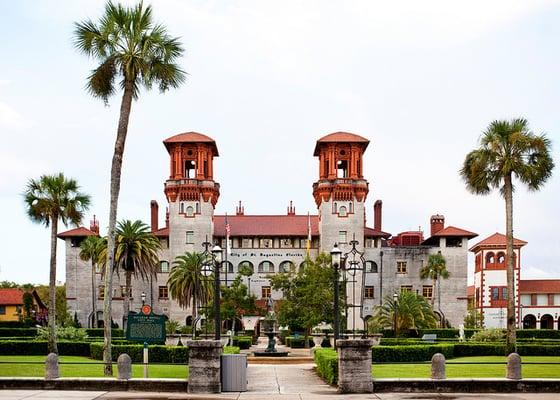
(136, 254)
(408, 311)
(508, 149)
(47, 200)
(186, 283)
(91, 249)
(435, 270)
(137, 52)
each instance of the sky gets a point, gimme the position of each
(420, 80)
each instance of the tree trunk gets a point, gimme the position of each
(434, 282)
(194, 315)
(510, 335)
(52, 288)
(126, 299)
(116, 166)
(93, 297)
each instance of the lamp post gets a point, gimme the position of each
(395, 299)
(335, 258)
(214, 261)
(143, 297)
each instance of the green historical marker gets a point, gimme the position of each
(146, 328)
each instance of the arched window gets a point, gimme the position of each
(490, 258)
(302, 266)
(351, 207)
(181, 208)
(266, 267)
(371, 266)
(286, 266)
(342, 211)
(501, 258)
(245, 267)
(189, 211)
(227, 266)
(164, 266)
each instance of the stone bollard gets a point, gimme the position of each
(354, 365)
(51, 367)
(204, 366)
(124, 367)
(513, 369)
(438, 366)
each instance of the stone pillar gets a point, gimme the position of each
(204, 366)
(354, 365)
(124, 367)
(51, 367)
(513, 369)
(438, 366)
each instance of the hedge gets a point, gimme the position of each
(538, 334)
(38, 348)
(243, 342)
(157, 353)
(409, 353)
(99, 332)
(20, 332)
(327, 364)
(299, 342)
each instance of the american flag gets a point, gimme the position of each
(228, 231)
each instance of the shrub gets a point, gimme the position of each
(327, 364)
(157, 353)
(231, 350)
(410, 353)
(98, 332)
(448, 333)
(538, 350)
(243, 342)
(39, 348)
(24, 332)
(299, 342)
(489, 335)
(69, 333)
(538, 334)
(478, 349)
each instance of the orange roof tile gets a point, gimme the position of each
(77, 232)
(340, 137)
(497, 240)
(191, 137)
(454, 231)
(162, 232)
(266, 225)
(370, 232)
(539, 286)
(11, 297)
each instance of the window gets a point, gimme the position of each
(401, 267)
(265, 292)
(266, 243)
(2, 310)
(550, 299)
(490, 258)
(371, 266)
(247, 243)
(123, 291)
(190, 169)
(266, 267)
(534, 299)
(342, 211)
(101, 292)
(369, 292)
(428, 291)
(342, 237)
(227, 266)
(477, 295)
(248, 265)
(504, 293)
(406, 288)
(303, 243)
(76, 241)
(190, 237)
(163, 292)
(342, 169)
(189, 211)
(286, 243)
(302, 266)
(501, 258)
(453, 242)
(495, 293)
(164, 243)
(164, 266)
(351, 207)
(286, 266)
(181, 208)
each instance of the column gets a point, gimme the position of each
(354, 365)
(204, 366)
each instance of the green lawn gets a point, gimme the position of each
(82, 370)
(470, 370)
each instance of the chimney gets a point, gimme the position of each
(239, 210)
(94, 225)
(167, 217)
(154, 208)
(377, 208)
(436, 224)
(291, 209)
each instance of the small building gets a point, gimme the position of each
(11, 306)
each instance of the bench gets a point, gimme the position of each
(429, 337)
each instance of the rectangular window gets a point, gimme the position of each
(190, 237)
(303, 243)
(495, 293)
(163, 292)
(534, 299)
(428, 291)
(164, 243)
(401, 267)
(342, 237)
(504, 293)
(286, 243)
(247, 243)
(101, 292)
(551, 299)
(265, 292)
(369, 292)
(406, 288)
(123, 291)
(266, 243)
(2, 310)
(477, 296)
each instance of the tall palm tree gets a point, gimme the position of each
(186, 283)
(90, 250)
(435, 269)
(47, 200)
(134, 50)
(136, 253)
(508, 149)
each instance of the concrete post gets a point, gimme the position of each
(513, 369)
(124, 367)
(51, 367)
(438, 366)
(204, 366)
(354, 365)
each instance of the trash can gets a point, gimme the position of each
(234, 373)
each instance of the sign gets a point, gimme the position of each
(146, 309)
(145, 328)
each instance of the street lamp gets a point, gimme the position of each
(217, 256)
(143, 297)
(336, 254)
(395, 299)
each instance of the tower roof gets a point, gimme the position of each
(77, 232)
(340, 137)
(191, 137)
(497, 240)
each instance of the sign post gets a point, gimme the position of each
(145, 360)
(146, 328)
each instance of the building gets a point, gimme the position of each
(274, 243)
(537, 301)
(12, 309)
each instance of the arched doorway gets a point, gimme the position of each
(529, 322)
(547, 322)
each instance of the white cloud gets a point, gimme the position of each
(10, 118)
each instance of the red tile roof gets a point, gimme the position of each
(77, 232)
(191, 137)
(370, 232)
(340, 137)
(454, 231)
(163, 232)
(539, 286)
(497, 240)
(11, 297)
(470, 291)
(266, 225)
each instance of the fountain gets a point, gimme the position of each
(268, 325)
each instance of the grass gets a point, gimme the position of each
(380, 371)
(18, 368)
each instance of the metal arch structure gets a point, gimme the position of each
(353, 262)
